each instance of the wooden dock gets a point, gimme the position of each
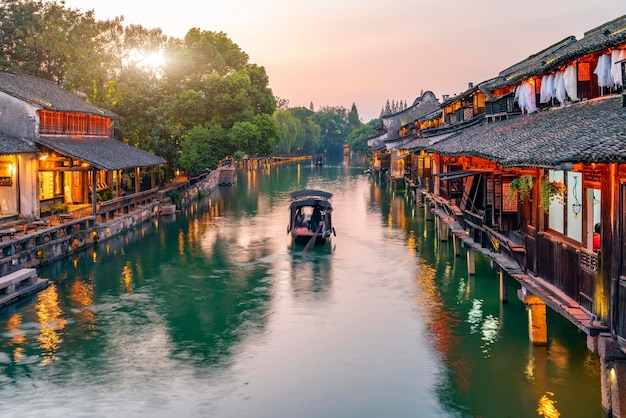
(511, 265)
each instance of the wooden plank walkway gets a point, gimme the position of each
(553, 297)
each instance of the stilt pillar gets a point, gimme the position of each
(537, 319)
(471, 262)
(444, 231)
(504, 287)
(457, 245)
(612, 376)
(428, 213)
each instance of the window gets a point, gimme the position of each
(574, 205)
(593, 214)
(50, 122)
(50, 184)
(76, 124)
(73, 124)
(556, 220)
(567, 217)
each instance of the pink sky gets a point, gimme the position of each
(334, 53)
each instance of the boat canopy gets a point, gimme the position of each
(322, 203)
(310, 193)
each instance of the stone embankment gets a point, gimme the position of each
(60, 237)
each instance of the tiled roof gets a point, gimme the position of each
(608, 35)
(423, 105)
(424, 143)
(466, 93)
(48, 95)
(11, 145)
(590, 131)
(532, 66)
(378, 142)
(102, 152)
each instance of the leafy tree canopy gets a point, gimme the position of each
(358, 138)
(205, 78)
(205, 101)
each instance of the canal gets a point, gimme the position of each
(213, 313)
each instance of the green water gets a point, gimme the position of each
(213, 313)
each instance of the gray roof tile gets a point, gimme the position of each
(590, 131)
(47, 94)
(101, 152)
(12, 145)
(607, 35)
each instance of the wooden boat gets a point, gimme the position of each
(310, 221)
(318, 160)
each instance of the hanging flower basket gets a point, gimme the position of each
(551, 190)
(520, 187)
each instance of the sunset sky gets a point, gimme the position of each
(336, 52)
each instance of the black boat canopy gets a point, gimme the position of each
(322, 203)
(310, 193)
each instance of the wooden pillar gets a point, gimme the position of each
(471, 262)
(612, 376)
(457, 245)
(428, 213)
(504, 287)
(94, 193)
(443, 229)
(137, 172)
(537, 319)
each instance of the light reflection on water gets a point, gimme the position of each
(214, 313)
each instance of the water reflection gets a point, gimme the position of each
(81, 296)
(17, 339)
(547, 406)
(211, 312)
(51, 321)
(311, 272)
(481, 344)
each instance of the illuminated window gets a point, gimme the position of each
(73, 124)
(50, 184)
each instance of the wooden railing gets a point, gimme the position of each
(125, 204)
(563, 266)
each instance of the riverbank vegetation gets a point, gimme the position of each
(192, 101)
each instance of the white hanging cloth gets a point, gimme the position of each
(525, 96)
(603, 70)
(551, 88)
(519, 96)
(616, 69)
(570, 79)
(559, 88)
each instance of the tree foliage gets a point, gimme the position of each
(358, 137)
(201, 148)
(206, 81)
(205, 102)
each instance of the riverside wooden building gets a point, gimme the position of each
(529, 168)
(58, 154)
(56, 148)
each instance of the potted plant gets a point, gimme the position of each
(521, 187)
(551, 190)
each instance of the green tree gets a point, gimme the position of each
(203, 147)
(333, 121)
(268, 135)
(358, 138)
(207, 80)
(353, 119)
(242, 136)
(291, 132)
